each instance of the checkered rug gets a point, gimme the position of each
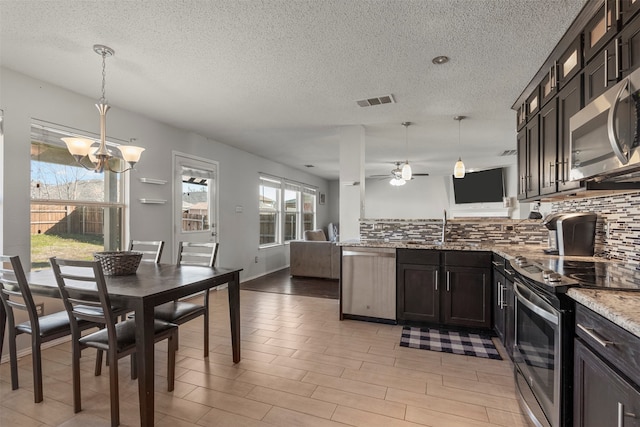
(449, 342)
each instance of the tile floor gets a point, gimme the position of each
(300, 366)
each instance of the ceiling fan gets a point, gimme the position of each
(396, 175)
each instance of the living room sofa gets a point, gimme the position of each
(315, 256)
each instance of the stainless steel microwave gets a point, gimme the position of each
(604, 134)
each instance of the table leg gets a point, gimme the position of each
(234, 314)
(145, 358)
(3, 323)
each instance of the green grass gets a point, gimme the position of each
(74, 246)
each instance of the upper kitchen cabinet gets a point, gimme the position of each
(533, 104)
(529, 160)
(628, 9)
(570, 101)
(548, 148)
(549, 85)
(603, 71)
(600, 29)
(630, 46)
(570, 62)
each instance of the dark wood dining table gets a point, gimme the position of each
(152, 285)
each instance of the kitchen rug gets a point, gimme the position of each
(449, 342)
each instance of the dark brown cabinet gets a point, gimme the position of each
(570, 62)
(601, 396)
(529, 160)
(456, 291)
(600, 29)
(467, 296)
(606, 373)
(630, 47)
(569, 102)
(522, 164)
(548, 148)
(597, 77)
(628, 9)
(498, 297)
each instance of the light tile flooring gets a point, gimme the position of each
(301, 366)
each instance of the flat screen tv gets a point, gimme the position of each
(479, 187)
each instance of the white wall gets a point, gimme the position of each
(426, 197)
(24, 99)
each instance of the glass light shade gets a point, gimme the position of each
(458, 169)
(92, 156)
(78, 147)
(131, 153)
(396, 182)
(406, 171)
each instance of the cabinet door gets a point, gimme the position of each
(418, 293)
(569, 103)
(628, 8)
(498, 303)
(532, 180)
(601, 396)
(600, 29)
(630, 52)
(549, 85)
(596, 77)
(467, 297)
(510, 317)
(522, 164)
(570, 63)
(548, 148)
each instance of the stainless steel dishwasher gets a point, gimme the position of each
(369, 282)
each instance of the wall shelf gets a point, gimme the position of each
(153, 181)
(153, 201)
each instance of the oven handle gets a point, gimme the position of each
(616, 145)
(536, 304)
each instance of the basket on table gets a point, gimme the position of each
(118, 263)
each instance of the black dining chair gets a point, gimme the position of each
(118, 339)
(16, 295)
(180, 312)
(151, 250)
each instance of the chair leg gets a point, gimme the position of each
(75, 368)
(206, 323)
(13, 358)
(113, 387)
(36, 358)
(98, 369)
(134, 366)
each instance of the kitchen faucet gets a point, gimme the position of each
(444, 225)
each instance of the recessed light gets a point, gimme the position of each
(439, 60)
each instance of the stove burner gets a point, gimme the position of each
(588, 279)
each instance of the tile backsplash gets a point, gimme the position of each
(617, 229)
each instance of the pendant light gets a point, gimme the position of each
(406, 168)
(459, 169)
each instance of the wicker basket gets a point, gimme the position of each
(118, 263)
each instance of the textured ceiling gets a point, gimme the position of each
(277, 78)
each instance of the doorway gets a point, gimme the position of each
(195, 200)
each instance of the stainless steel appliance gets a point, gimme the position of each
(368, 283)
(544, 322)
(571, 233)
(604, 134)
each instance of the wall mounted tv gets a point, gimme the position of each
(479, 187)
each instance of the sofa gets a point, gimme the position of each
(315, 256)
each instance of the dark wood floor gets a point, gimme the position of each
(281, 282)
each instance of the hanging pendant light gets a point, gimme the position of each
(459, 169)
(406, 168)
(397, 180)
(100, 156)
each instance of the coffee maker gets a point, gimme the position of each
(571, 233)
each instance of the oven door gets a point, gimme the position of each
(537, 355)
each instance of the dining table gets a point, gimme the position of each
(152, 284)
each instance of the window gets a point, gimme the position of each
(269, 203)
(74, 211)
(298, 207)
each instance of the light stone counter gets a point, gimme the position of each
(620, 307)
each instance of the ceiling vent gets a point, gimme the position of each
(507, 153)
(379, 100)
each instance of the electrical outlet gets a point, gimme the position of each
(256, 260)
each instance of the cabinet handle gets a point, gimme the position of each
(436, 280)
(617, 57)
(565, 170)
(448, 281)
(606, 68)
(552, 166)
(606, 15)
(499, 295)
(592, 334)
(622, 414)
(496, 263)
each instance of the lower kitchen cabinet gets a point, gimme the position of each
(601, 396)
(444, 287)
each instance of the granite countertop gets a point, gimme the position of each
(620, 307)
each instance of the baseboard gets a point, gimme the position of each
(27, 351)
(246, 279)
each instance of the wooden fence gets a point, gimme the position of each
(64, 219)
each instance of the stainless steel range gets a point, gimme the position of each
(544, 317)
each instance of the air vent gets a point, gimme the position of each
(379, 100)
(507, 153)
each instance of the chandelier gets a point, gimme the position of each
(99, 155)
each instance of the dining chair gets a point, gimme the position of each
(180, 312)
(118, 339)
(16, 295)
(151, 250)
